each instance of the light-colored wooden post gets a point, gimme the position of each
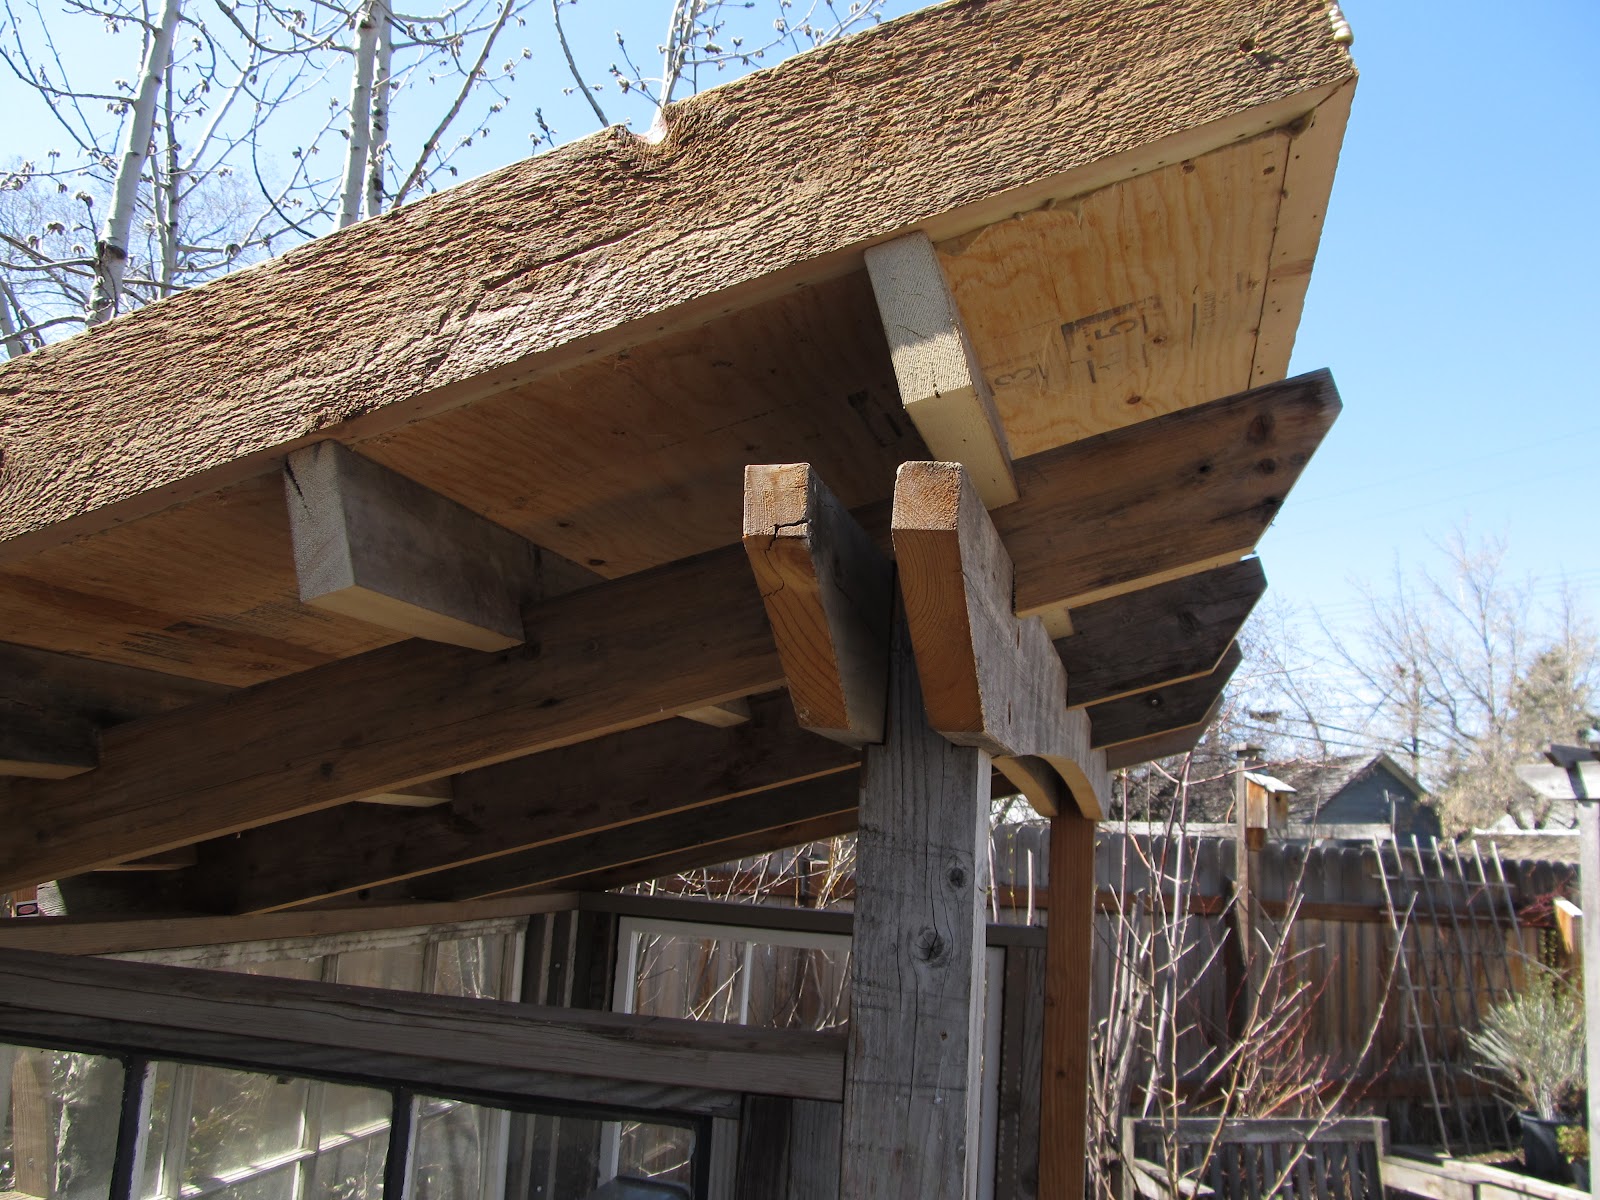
(911, 1095)
(1064, 1088)
(1589, 881)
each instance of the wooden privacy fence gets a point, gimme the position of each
(1472, 926)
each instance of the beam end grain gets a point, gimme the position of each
(828, 592)
(371, 544)
(942, 385)
(989, 679)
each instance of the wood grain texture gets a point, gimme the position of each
(1162, 745)
(743, 196)
(1185, 491)
(1017, 1140)
(1163, 709)
(1162, 634)
(1064, 1086)
(1307, 187)
(371, 544)
(204, 589)
(609, 658)
(990, 679)
(53, 706)
(913, 1070)
(788, 1150)
(829, 592)
(942, 384)
(606, 783)
(388, 1036)
(1127, 303)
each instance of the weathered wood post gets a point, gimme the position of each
(911, 1096)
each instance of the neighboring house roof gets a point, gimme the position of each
(1317, 785)
(1532, 845)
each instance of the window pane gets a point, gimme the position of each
(470, 967)
(348, 1112)
(239, 1121)
(398, 967)
(58, 1123)
(452, 1139)
(749, 983)
(570, 1158)
(352, 1170)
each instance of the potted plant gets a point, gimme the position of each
(1574, 1143)
(1533, 1047)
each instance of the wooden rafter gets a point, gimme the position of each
(604, 784)
(1168, 497)
(1163, 709)
(1158, 635)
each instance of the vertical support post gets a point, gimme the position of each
(1589, 881)
(912, 1090)
(1069, 938)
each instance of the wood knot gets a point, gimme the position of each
(957, 877)
(930, 947)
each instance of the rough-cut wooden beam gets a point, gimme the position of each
(53, 706)
(990, 679)
(1161, 745)
(168, 860)
(624, 653)
(607, 783)
(1163, 709)
(949, 119)
(702, 834)
(393, 1037)
(829, 592)
(1166, 497)
(609, 658)
(1162, 634)
(371, 544)
(913, 1071)
(941, 382)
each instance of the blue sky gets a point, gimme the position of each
(1453, 296)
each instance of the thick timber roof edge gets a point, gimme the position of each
(945, 120)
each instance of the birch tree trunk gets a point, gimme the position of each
(111, 251)
(378, 152)
(355, 163)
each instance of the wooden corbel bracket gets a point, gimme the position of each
(989, 678)
(829, 595)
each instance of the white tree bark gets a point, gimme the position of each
(111, 252)
(378, 151)
(360, 130)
